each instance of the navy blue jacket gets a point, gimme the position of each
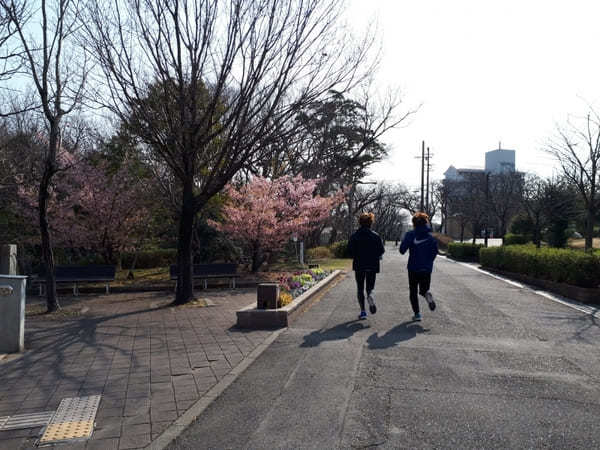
(423, 249)
(365, 247)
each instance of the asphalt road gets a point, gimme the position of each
(495, 366)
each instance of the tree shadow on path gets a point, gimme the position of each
(336, 333)
(402, 332)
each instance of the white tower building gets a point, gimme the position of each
(500, 161)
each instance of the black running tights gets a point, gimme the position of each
(361, 277)
(418, 283)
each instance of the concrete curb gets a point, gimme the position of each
(183, 421)
(251, 317)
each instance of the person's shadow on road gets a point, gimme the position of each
(336, 333)
(402, 332)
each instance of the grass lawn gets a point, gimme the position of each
(325, 263)
(580, 243)
(160, 275)
(157, 275)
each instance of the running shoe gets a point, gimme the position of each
(417, 317)
(362, 315)
(371, 302)
(430, 301)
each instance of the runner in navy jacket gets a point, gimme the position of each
(366, 247)
(423, 249)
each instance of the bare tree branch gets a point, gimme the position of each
(576, 147)
(209, 85)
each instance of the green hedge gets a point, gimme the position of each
(464, 251)
(340, 249)
(150, 259)
(516, 239)
(554, 264)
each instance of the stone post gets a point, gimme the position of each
(12, 313)
(267, 295)
(8, 259)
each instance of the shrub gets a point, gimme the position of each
(464, 251)
(559, 265)
(516, 239)
(557, 234)
(340, 249)
(522, 224)
(150, 259)
(319, 253)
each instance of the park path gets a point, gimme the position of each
(495, 366)
(150, 363)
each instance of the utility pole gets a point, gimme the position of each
(422, 173)
(427, 185)
(487, 201)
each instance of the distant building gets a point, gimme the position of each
(497, 161)
(500, 161)
(454, 174)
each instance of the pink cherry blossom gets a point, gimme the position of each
(264, 214)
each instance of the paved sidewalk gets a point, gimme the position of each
(150, 362)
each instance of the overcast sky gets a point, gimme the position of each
(483, 71)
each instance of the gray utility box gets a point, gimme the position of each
(12, 313)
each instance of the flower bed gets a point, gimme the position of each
(252, 317)
(295, 284)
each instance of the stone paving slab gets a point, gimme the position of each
(149, 361)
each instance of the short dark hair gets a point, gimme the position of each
(420, 218)
(366, 219)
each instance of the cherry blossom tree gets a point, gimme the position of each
(264, 214)
(94, 209)
(103, 211)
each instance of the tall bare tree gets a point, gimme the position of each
(440, 192)
(533, 202)
(549, 204)
(233, 72)
(503, 198)
(44, 33)
(576, 147)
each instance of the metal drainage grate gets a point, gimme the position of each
(74, 419)
(21, 421)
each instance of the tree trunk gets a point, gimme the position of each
(257, 258)
(333, 235)
(537, 236)
(185, 279)
(47, 255)
(589, 229)
(43, 195)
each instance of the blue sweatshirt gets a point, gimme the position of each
(422, 248)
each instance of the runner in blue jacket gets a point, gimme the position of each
(423, 249)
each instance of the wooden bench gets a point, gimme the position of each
(80, 274)
(205, 272)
